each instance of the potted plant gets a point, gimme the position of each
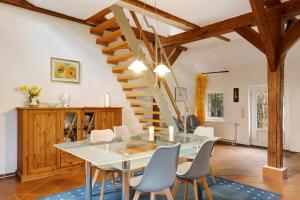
(33, 93)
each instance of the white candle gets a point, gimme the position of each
(107, 100)
(151, 133)
(171, 133)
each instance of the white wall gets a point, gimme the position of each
(27, 42)
(247, 68)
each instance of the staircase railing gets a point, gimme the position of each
(133, 44)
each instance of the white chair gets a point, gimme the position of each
(121, 131)
(207, 132)
(98, 136)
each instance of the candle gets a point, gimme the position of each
(151, 133)
(107, 100)
(171, 133)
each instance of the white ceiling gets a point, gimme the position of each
(81, 9)
(201, 12)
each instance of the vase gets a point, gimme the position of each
(33, 101)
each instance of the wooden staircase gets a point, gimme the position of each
(120, 56)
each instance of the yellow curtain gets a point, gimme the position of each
(201, 83)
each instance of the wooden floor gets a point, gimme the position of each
(236, 163)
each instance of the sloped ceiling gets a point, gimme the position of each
(81, 9)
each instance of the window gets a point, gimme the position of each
(215, 102)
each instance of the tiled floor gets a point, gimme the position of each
(236, 163)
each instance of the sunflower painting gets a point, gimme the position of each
(65, 70)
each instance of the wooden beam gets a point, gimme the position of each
(291, 37)
(146, 9)
(26, 5)
(152, 11)
(265, 31)
(251, 36)
(285, 10)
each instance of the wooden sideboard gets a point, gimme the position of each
(40, 128)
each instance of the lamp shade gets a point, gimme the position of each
(161, 69)
(137, 66)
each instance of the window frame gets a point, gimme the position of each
(213, 119)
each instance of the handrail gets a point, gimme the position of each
(152, 55)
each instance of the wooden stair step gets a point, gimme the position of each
(135, 95)
(111, 49)
(128, 77)
(151, 120)
(119, 69)
(134, 87)
(110, 37)
(146, 112)
(99, 17)
(99, 29)
(120, 58)
(142, 103)
(156, 128)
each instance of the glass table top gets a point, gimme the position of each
(129, 147)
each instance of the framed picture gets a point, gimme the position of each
(236, 95)
(180, 94)
(65, 70)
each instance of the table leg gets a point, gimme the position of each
(88, 180)
(125, 180)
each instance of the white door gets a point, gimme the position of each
(260, 116)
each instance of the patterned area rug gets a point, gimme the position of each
(223, 190)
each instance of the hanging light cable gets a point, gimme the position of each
(138, 66)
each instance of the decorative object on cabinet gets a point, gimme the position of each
(63, 70)
(236, 95)
(40, 128)
(107, 100)
(32, 93)
(65, 98)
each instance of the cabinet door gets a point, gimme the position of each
(43, 134)
(110, 118)
(71, 130)
(89, 122)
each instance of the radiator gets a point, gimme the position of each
(227, 131)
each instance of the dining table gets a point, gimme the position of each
(122, 150)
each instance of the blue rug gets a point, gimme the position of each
(223, 190)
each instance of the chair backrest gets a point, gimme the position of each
(161, 170)
(200, 165)
(204, 131)
(178, 124)
(194, 121)
(105, 135)
(121, 131)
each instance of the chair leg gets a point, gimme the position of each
(102, 185)
(97, 171)
(169, 194)
(212, 175)
(195, 189)
(186, 190)
(206, 188)
(136, 195)
(175, 188)
(152, 196)
(113, 178)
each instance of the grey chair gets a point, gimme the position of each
(193, 172)
(178, 124)
(192, 123)
(159, 175)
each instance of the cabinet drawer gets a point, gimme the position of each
(66, 162)
(65, 155)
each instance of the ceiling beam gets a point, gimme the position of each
(251, 36)
(26, 5)
(155, 13)
(291, 37)
(264, 30)
(286, 10)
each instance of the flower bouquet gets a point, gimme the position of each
(33, 93)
